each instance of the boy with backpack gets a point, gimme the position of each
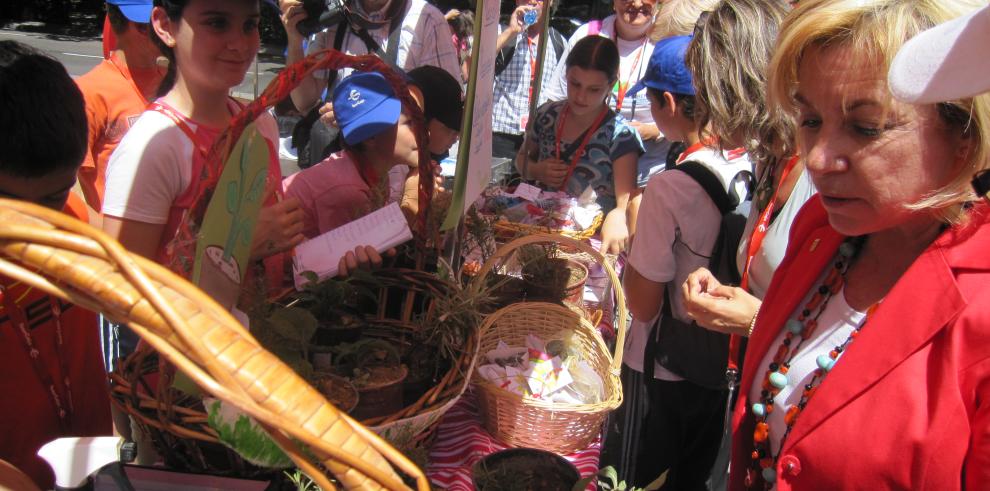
(515, 73)
(690, 217)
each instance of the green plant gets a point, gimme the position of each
(286, 332)
(607, 479)
(455, 316)
(301, 481)
(546, 275)
(327, 299)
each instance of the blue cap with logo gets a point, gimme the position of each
(365, 105)
(667, 71)
(138, 11)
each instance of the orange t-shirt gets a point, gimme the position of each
(114, 101)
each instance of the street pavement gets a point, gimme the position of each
(79, 55)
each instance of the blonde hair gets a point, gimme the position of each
(876, 29)
(677, 17)
(728, 58)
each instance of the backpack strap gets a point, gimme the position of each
(557, 39)
(707, 179)
(503, 58)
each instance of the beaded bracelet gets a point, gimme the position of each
(752, 324)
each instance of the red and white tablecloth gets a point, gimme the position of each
(462, 440)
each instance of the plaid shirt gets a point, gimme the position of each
(512, 86)
(424, 39)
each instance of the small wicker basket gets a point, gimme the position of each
(528, 422)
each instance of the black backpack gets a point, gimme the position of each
(687, 349)
(504, 55)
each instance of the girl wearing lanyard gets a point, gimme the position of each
(581, 143)
(154, 174)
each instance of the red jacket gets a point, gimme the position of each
(908, 404)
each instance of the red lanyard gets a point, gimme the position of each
(61, 395)
(584, 142)
(698, 145)
(755, 243)
(180, 121)
(763, 224)
(621, 86)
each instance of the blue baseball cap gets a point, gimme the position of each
(667, 71)
(365, 105)
(138, 11)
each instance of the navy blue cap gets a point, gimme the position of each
(667, 71)
(138, 11)
(365, 105)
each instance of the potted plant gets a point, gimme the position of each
(376, 370)
(337, 306)
(524, 469)
(550, 278)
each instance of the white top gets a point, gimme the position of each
(633, 108)
(152, 167)
(837, 321)
(676, 232)
(424, 39)
(774, 246)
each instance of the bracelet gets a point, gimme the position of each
(752, 324)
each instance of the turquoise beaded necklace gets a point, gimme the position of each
(797, 331)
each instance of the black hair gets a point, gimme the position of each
(43, 116)
(596, 53)
(118, 22)
(685, 101)
(173, 9)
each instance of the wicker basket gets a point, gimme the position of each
(177, 423)
(510, 230)
(527, 422)
(73, 261)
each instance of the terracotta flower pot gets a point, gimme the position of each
(381, 394)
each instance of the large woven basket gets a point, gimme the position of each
(73, 261)
(528, 422)
(178, 423)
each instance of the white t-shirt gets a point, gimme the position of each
(837, 321)
(424, 39)
(634, 56)
(675, 234)
(774, 246)
(152, 167)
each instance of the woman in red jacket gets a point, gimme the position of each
(869, 367)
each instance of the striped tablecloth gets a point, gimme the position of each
(462, 440)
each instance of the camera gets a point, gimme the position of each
(320, 14)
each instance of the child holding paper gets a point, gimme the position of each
(580, 142)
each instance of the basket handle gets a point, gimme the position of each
(621, 323)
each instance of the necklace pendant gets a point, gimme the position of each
(778, 380)
(794, 326)
(759, 410)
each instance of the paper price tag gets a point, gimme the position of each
(527, 192)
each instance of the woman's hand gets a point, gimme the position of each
(551, 172)
(718, 307)
(362, 257)
(409, 201)
(615, 232)
(279, 228)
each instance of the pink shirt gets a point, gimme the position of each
(331, 193)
